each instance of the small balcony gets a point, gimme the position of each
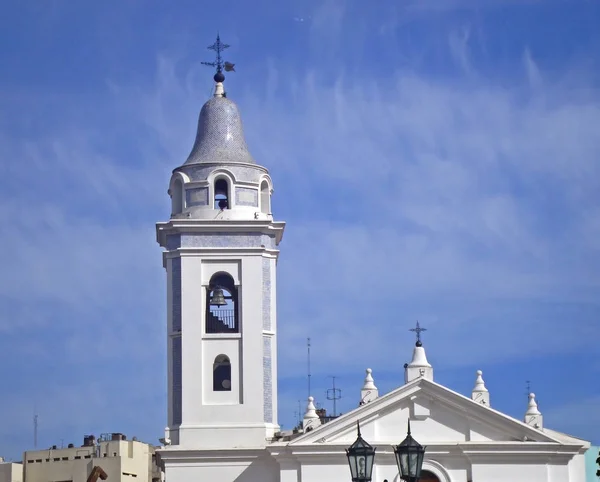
(221, 321)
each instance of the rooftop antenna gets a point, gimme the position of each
(334, 394)
(308, 362)
(35, 428)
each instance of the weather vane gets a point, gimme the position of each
(418, 330)
(218, 47)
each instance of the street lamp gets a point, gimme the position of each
(360, 458)
(409, 457)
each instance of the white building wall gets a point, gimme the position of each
(215, 418)
(513, 472)
(229, 469)
(11, 472)
(576, 468)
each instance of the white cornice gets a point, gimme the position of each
(191, 226)
(174, 454)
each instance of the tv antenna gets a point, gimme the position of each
(35, 428)
(334, 394)
(308, 363)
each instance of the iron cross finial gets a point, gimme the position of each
(418, 330)
(218, 47)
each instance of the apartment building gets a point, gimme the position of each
(120, 459)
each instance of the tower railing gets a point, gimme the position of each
(221, 321)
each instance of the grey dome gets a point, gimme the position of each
(220, 135)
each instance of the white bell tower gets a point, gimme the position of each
(221, 250)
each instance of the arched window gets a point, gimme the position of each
(221, 194)
(177, 197)
(222, 374)
(221, 305)
(265, 198)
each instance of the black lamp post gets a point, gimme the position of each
(409, 457)
(360, 458)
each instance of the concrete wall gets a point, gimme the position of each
(121, 460)
(11, 472)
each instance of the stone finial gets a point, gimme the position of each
(369, 391)
(419, 367)
(533, 416)
(480, 394)
(311, 419)
(166, 440)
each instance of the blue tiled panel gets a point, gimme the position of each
(227, 240)
(245, 196)
(176, 293)
(196, 196)
(220, 240)
(198, 172)
(267, 380)
(266, 293)
(173, 241)
(176, 377)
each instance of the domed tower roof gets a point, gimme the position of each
(220, 135)
(220, 180)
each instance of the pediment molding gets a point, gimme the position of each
(420, 396)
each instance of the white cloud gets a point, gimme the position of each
(467, 206)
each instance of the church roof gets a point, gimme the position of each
(426, 392)
(220, 135)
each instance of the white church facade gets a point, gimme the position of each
(221, 247)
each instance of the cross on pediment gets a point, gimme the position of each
(418, 330)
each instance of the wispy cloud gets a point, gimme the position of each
(468, 203)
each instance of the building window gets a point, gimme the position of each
(222, 305)
(221, 194)
(265, 198)
(177, 197)
(222, 374)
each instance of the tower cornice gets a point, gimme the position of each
(197, 226)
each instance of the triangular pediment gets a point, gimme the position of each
(438, 416)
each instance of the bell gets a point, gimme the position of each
(217, 298)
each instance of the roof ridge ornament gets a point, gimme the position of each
(418, 367)
(480, 393)
(369, 391)
(219, 63)
(311, 419)
(533, 416)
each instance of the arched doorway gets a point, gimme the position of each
(427, 476)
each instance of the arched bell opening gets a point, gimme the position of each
(221, 194)
(222, 374)
(265, 198)
(221, 305)
(177, 197)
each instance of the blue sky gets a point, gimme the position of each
(434, 160)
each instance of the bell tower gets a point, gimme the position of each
(221, 250)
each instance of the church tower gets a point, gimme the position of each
(221, 250)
